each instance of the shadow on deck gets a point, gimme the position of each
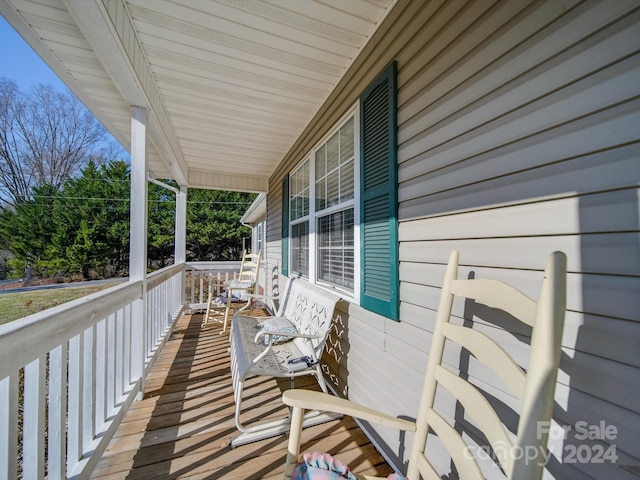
(183, 426)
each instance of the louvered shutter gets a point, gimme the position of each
(379, 196)
(285, 226)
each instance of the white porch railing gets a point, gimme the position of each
(205, 278)
(68, 375)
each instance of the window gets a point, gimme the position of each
(321, 206)
(300, 249)
(260, 238)
(299, 214)
(339, 206)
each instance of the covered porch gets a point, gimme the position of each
(183, 426)
(504, 130)
(126, 382)
(89, 390)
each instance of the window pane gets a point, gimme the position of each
(335, 249)
(346, 141)
(333, 188)
(321, 161)
(334, 168)
(333, 152)
(346, 182)
(300, 248)
(299, 195)
(260, 238)
(321, 194)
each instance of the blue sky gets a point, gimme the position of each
(18, 62)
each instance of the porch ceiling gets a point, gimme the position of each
(229, 84)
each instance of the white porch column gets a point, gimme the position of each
(138, 241)
(181, 226)
(180, 253)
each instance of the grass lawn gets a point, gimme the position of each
(18, 305)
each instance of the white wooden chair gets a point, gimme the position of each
(238, 292)
(534, 387)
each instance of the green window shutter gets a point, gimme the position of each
(285, 226)
(379, 286)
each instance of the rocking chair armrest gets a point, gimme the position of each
(310, 400)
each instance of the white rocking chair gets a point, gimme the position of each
(244, 285)
(533, 387)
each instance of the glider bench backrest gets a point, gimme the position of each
(255, 351)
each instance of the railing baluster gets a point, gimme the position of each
(33, 419)
(164, 310)
(193, 285)
(101, 374)
(119, 356)
(74, 403)
(111, 391)
(88, 386)
(154, 321)
(127, 346)
(153, 296)
(9, 427)
(57, 413)
(138, 342)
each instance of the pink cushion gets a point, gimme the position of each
(322, 466)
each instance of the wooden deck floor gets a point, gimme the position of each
(183, 426)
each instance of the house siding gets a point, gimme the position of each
(519, 134)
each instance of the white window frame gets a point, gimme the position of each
(313, 215)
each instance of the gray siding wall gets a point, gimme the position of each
(519, 134)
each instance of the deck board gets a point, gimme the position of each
(183, 426)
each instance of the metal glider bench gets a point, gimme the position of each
(269, 347)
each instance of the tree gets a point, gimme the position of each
(162, 225)
(91, 218)
(27, 229)
(45, 138)
(214, 231)
(83, 227)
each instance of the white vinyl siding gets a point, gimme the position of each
(531, 147)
